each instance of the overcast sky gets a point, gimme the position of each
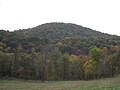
(100, 15)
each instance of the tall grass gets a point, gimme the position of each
(104, 84)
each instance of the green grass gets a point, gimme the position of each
(104, 84)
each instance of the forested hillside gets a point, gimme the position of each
(58, 51)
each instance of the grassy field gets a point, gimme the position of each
(104, 84)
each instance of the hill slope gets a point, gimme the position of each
(52, 33)
(62, 30)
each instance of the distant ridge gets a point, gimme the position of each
(58, 32)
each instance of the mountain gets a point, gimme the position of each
(62, 30)
(69, 35)
(58, 51)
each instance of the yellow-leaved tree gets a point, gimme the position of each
(89, 68)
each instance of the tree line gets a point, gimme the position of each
(51, 64)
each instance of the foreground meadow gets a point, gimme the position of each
(104, 84)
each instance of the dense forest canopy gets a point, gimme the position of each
(59, 51)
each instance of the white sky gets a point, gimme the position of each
(100, 15)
